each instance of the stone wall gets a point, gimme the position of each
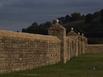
(72, 44)
(94, 48)
(20, 51)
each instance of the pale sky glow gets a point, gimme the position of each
(17, 14)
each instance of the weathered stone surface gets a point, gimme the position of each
(94, 48)
(21, 51)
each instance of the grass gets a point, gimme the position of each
(82, 66)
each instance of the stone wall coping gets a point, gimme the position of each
(57, 26)
(95, 44)
(28, 36)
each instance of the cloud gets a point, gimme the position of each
(22, 12)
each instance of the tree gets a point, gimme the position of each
(101, 16)
(75, 16)
(31, 29)
(89, 18)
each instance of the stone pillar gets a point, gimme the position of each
(73, 36)
(86, 43)
(59, 31)
(83, 44)
(79, 43)
(68, 48)
(77, 52)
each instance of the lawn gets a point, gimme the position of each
(83, 66)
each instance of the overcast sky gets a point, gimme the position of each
(17, 14)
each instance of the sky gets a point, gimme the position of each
(18, 14)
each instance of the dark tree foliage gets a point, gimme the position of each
(34, 28)
(101, 12)
(89, 18)
(38, 29)
(64, 20)
(75, 16)
(90, 24)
